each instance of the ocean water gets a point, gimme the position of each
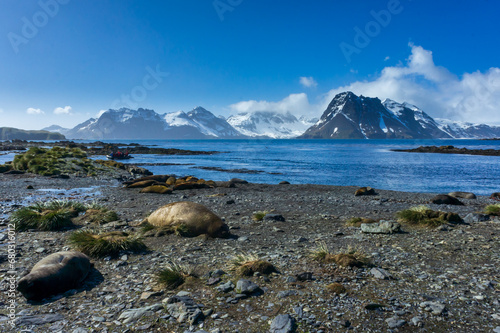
(334, 162)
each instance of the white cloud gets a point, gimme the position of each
(474, 97)
(64, 110)
(387, 58)
(308, 82)
(34, 111)
(295, 103)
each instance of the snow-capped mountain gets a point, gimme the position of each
(147, 124)
(464, 130)
(204, 121)
(56, 129)
(357, 117)
(270, 124)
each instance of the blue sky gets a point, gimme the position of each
(62, 61)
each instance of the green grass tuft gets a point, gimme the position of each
(424, 216)
(174, 275)
(492, 210)
(105, 244)
(259, 216)
(321, 252)
(46, 216)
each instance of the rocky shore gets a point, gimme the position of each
(417, 280)
(451, 150)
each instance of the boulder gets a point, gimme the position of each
(475, 217)
(495, 196)
(365, 191)
(463, 195)
(284, 183)
(382, 227)
(196, 219)
(160, 189)
(246, 287)
(445, 199)
(55, 274)
(274, 217)
(283, 324)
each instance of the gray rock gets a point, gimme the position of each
(382, 227)
(3, 237)
(226, 287)
(287, 293)
(133, 315)
(395, 322)
(183, 308)
(380, 273)
(246, 287)
(497, 330)
(435, 308)
(283, 324)
(475, 217)
(417, 321)
(37, 319)
(80, 330)
(274, 217)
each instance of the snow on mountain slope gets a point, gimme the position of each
(270, 124)
(147, 124)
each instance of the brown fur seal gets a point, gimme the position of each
(54, 274)
(197, 218)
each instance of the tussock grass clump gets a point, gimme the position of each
(424, 216)
(49, 162)
(99, 216)
(105, 244)
(348, 258)
(46, 216)
(351, 257)
(321, 252)
(174, 275)
(259, 216)
(492, 210)
(249, 264)
(357, 221)
(336, 288)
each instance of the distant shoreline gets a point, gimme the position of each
(450, 150)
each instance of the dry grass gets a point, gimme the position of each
(336, 288)
(321, 252)
(105, 244)
(249, 264)
(357, 221)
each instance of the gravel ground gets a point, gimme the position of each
(441, 280)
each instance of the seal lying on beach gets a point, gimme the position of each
(54, 274)
(196, 218)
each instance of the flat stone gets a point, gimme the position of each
(226, 287)
(148, 294)
(380, 273)
(283, 324)
(133, 315)
(382, 227)
(274, 217)
(246, 287)
(475, 217)
(395, 322)
(38, 319)
(435, 308)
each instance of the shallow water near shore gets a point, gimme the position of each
(331, 162)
